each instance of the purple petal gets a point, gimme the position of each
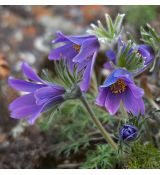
(147, 47)
(30, 74)
(117, 74)
(29, 110)
(131, 103)
(66, 51)
(120, 72)
(24, 85)
(32, 118)
(111, 55)
(88, 47)
(84, 85)
(23, 100)
(24, 111)
(108, 65)
(101, 98)
(80, 39)
(42, 95)
(28, 71)
(112, 102)
(143, 52)
(60, 37)
(137, 92)
(74, 39)
(146, 52)
(53, 101)
(87, 75)
(24, 106)
(109, 81)
(50, 103)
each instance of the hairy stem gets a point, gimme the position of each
(97, 122)
(123, 111)
(95, 82)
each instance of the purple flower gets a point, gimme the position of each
(111, 55)
(41, 95)
(79, 50)
(145, 51)
(147, 54)
(119, 86)
(128, 132)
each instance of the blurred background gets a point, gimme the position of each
(25, 35)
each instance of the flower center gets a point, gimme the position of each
(77, 47)
(139, 54)
(118, 87)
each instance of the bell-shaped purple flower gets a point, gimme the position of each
(145, 51)
(128, 132)
(41, 95)
(79, 50)
(147, 54)
(120, 87)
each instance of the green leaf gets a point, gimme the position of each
(118, 22)
(110, 25)
(111, 32)
(153, 33)
(67, 77)
(150, 37)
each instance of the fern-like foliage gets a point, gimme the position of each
(111, 32)
(103, 157)
(75, 128)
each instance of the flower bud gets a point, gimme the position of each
(128, 132)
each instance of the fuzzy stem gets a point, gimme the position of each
(95, 82)
(123, 111)
(97, 123)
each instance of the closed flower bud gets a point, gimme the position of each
(128, 132)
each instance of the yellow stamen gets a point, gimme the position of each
(118, 87)
(77, 47)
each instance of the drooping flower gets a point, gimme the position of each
(147, 54)
(119, 86)
(79, 50)
(145, 51)
(128, 132)
(41, 95)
